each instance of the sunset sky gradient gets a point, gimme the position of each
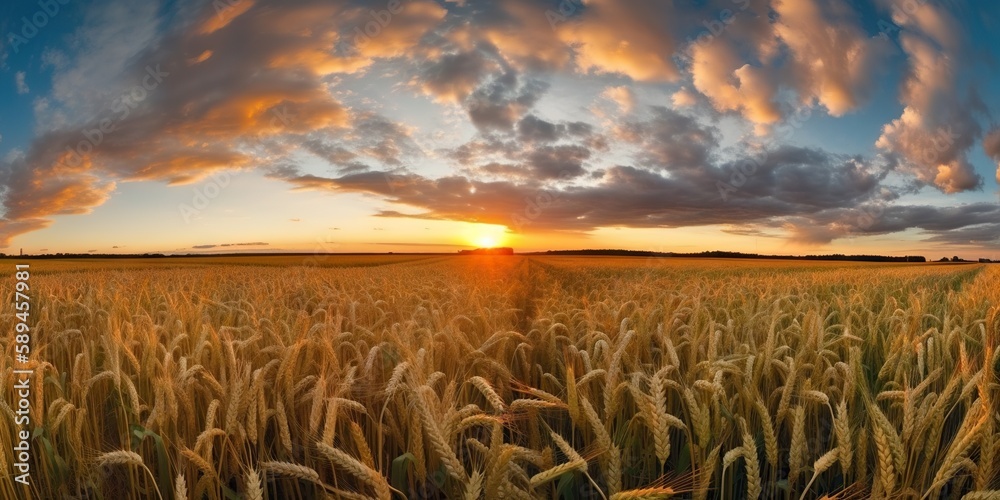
(775, 126)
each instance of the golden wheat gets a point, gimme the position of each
(510, 378)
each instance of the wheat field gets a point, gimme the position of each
(508, 377)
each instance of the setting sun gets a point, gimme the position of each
(487, 235)
(710, 249)
(486, 242)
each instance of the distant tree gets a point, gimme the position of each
(956, 259)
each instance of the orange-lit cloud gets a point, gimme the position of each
(338, 96)
(622, 96)
(634, 38)
(937, 128)
(719, 74)
(836, 67)
(991, 145)
(10, 229)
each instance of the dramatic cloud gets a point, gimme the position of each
(670, 140)
(834, 66)
(790, 182)
(937, 127)
(635, 38)
(830, 61)
(500, 103)
(542, 116)
(731, 85)
(188, 105)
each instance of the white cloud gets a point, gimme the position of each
(22, 86)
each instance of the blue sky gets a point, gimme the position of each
(862, 127)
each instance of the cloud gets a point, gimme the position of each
(520, 30)
(636, 38)
(225, 245)
(622, 96)
(966, 224)
(684, 98)
(9, 229)
(532, 129)
(454, 76)
(732, 85)
(555, 162)
(764, 59)
(833, 62)
(937, 126)
(669, 140)
(991, 145)
(266, 84)
(790, 182)
(31, 194)
(501, 102)
(979, 235)
(262, 81)
(22, 87)
(402, 34)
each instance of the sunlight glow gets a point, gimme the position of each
(486, 241)
(486, 235)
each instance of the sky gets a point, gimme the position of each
(771, 126)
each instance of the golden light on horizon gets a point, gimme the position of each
(486, 241)
(486, 235)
